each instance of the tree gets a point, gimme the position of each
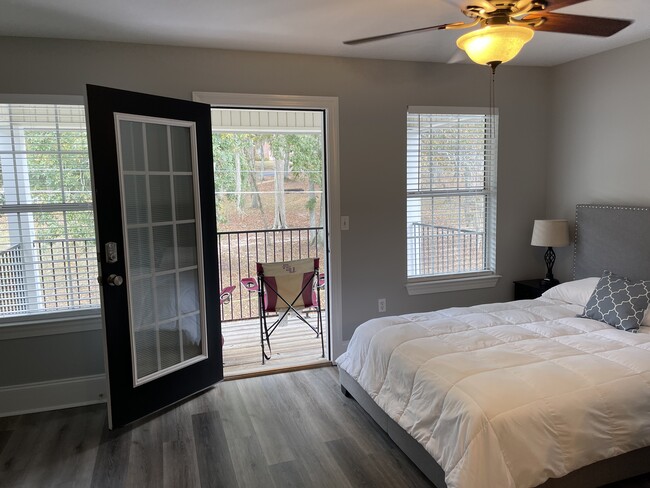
(59, 173)
(280, 147)
(296, 161)
(307, 159)
(234, 171)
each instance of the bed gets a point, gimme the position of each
(518, 394)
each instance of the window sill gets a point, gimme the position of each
(426, 286)
(51, 324)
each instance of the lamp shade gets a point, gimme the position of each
(495, 43)
(550, 233)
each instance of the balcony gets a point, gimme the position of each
(440, 250)
(63, 277)
(239, 251)
(50, 275)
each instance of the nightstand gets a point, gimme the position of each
(529, 289)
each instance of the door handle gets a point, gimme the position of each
(115, 280)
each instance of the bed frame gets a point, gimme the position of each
(606, 237)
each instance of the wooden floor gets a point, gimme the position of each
(293, 344)
(292, 429)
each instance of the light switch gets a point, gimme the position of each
(345, 222)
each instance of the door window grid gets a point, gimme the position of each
(171, 334)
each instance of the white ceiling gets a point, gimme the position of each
(302, 26)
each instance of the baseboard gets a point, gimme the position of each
(52, 395)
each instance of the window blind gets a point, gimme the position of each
(47, 236)
(451, 191)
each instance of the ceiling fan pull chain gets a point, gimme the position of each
(493, 67)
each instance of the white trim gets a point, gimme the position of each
(252, 100)
(37, 99)
(331, 107)
(423, 287)
(51, 326)
(422, 109)
(52, 395)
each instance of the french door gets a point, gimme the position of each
(154, 196)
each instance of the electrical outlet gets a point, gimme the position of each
(381, 304)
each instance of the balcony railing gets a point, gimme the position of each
(13, 289)
(63, 272)
(239, 251)
(54, 274)
(68, 272)
(441, 250)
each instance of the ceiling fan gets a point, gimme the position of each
(507, 25)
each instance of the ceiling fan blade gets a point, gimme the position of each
(556, 4)
(579, 24)
(396, 34)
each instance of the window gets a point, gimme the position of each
(47, 237)
(451, 195)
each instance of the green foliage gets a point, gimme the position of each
(59, 173)
(305, 154)
(224, 147)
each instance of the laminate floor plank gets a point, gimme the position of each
(214, 460)
(290, 474)
(249, 462)
(323, 470)
(43, 454)
(230, 403)
(180, 466)
(19, 449)
(388, 465)
(71, 458)
(112, 463)
(177, 425)
(266, 420)
(348, 413)
(291, 429)
(356, 468)
(146, 456)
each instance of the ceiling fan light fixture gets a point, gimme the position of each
(495, 44)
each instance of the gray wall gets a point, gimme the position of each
(373, 96)
(600, 138)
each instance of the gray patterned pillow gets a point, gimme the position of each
(618, 302)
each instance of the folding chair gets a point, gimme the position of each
(226, 295)
(288, 286)
(315, 295)
(224, 298)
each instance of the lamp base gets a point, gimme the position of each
(549, 259)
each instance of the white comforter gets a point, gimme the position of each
(510, 394)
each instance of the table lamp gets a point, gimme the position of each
(550, 234)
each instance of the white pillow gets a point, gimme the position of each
(646, 317)
(577, 292)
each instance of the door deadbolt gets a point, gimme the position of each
(115, 280)
(111, 252)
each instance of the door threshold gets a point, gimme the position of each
(266, 370)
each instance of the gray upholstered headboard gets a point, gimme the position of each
(613, 238)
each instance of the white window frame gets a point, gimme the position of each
(487, 277)
(331, 107)
(54, 322)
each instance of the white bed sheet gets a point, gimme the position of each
(511, 394)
